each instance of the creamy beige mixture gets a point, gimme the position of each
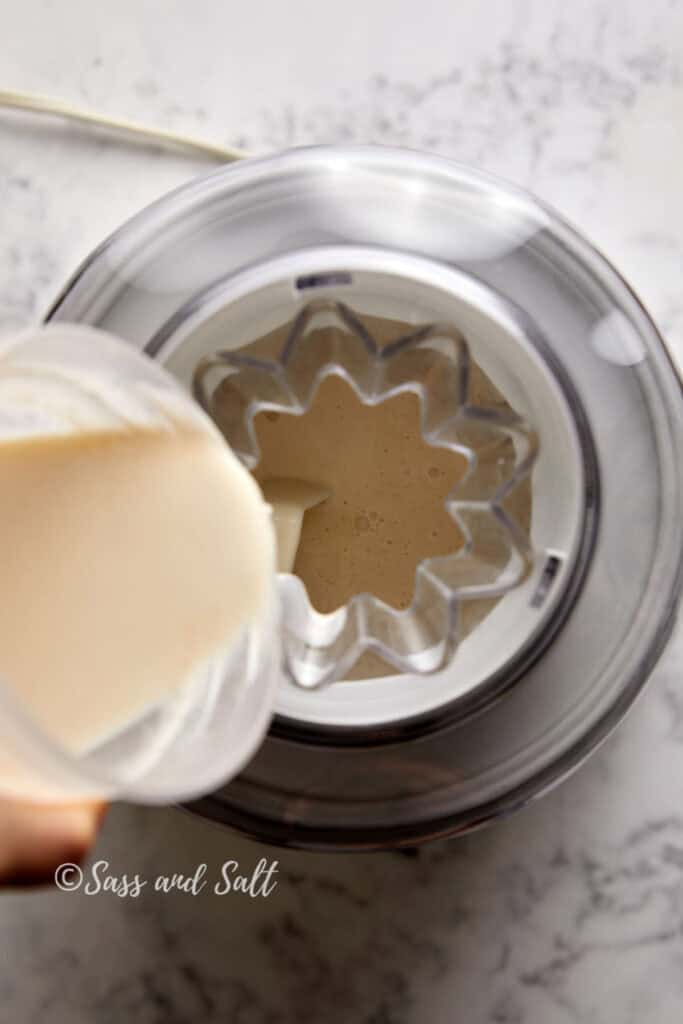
(387, 487)
(128, 558)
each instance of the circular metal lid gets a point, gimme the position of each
(611, 392)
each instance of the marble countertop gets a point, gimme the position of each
(570, 911)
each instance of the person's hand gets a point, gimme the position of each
(36, 838)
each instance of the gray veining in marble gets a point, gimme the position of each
(571, 911)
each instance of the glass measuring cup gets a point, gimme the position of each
(66, 380)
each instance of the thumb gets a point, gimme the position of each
(36, 838)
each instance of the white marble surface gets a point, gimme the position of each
(572, 911)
